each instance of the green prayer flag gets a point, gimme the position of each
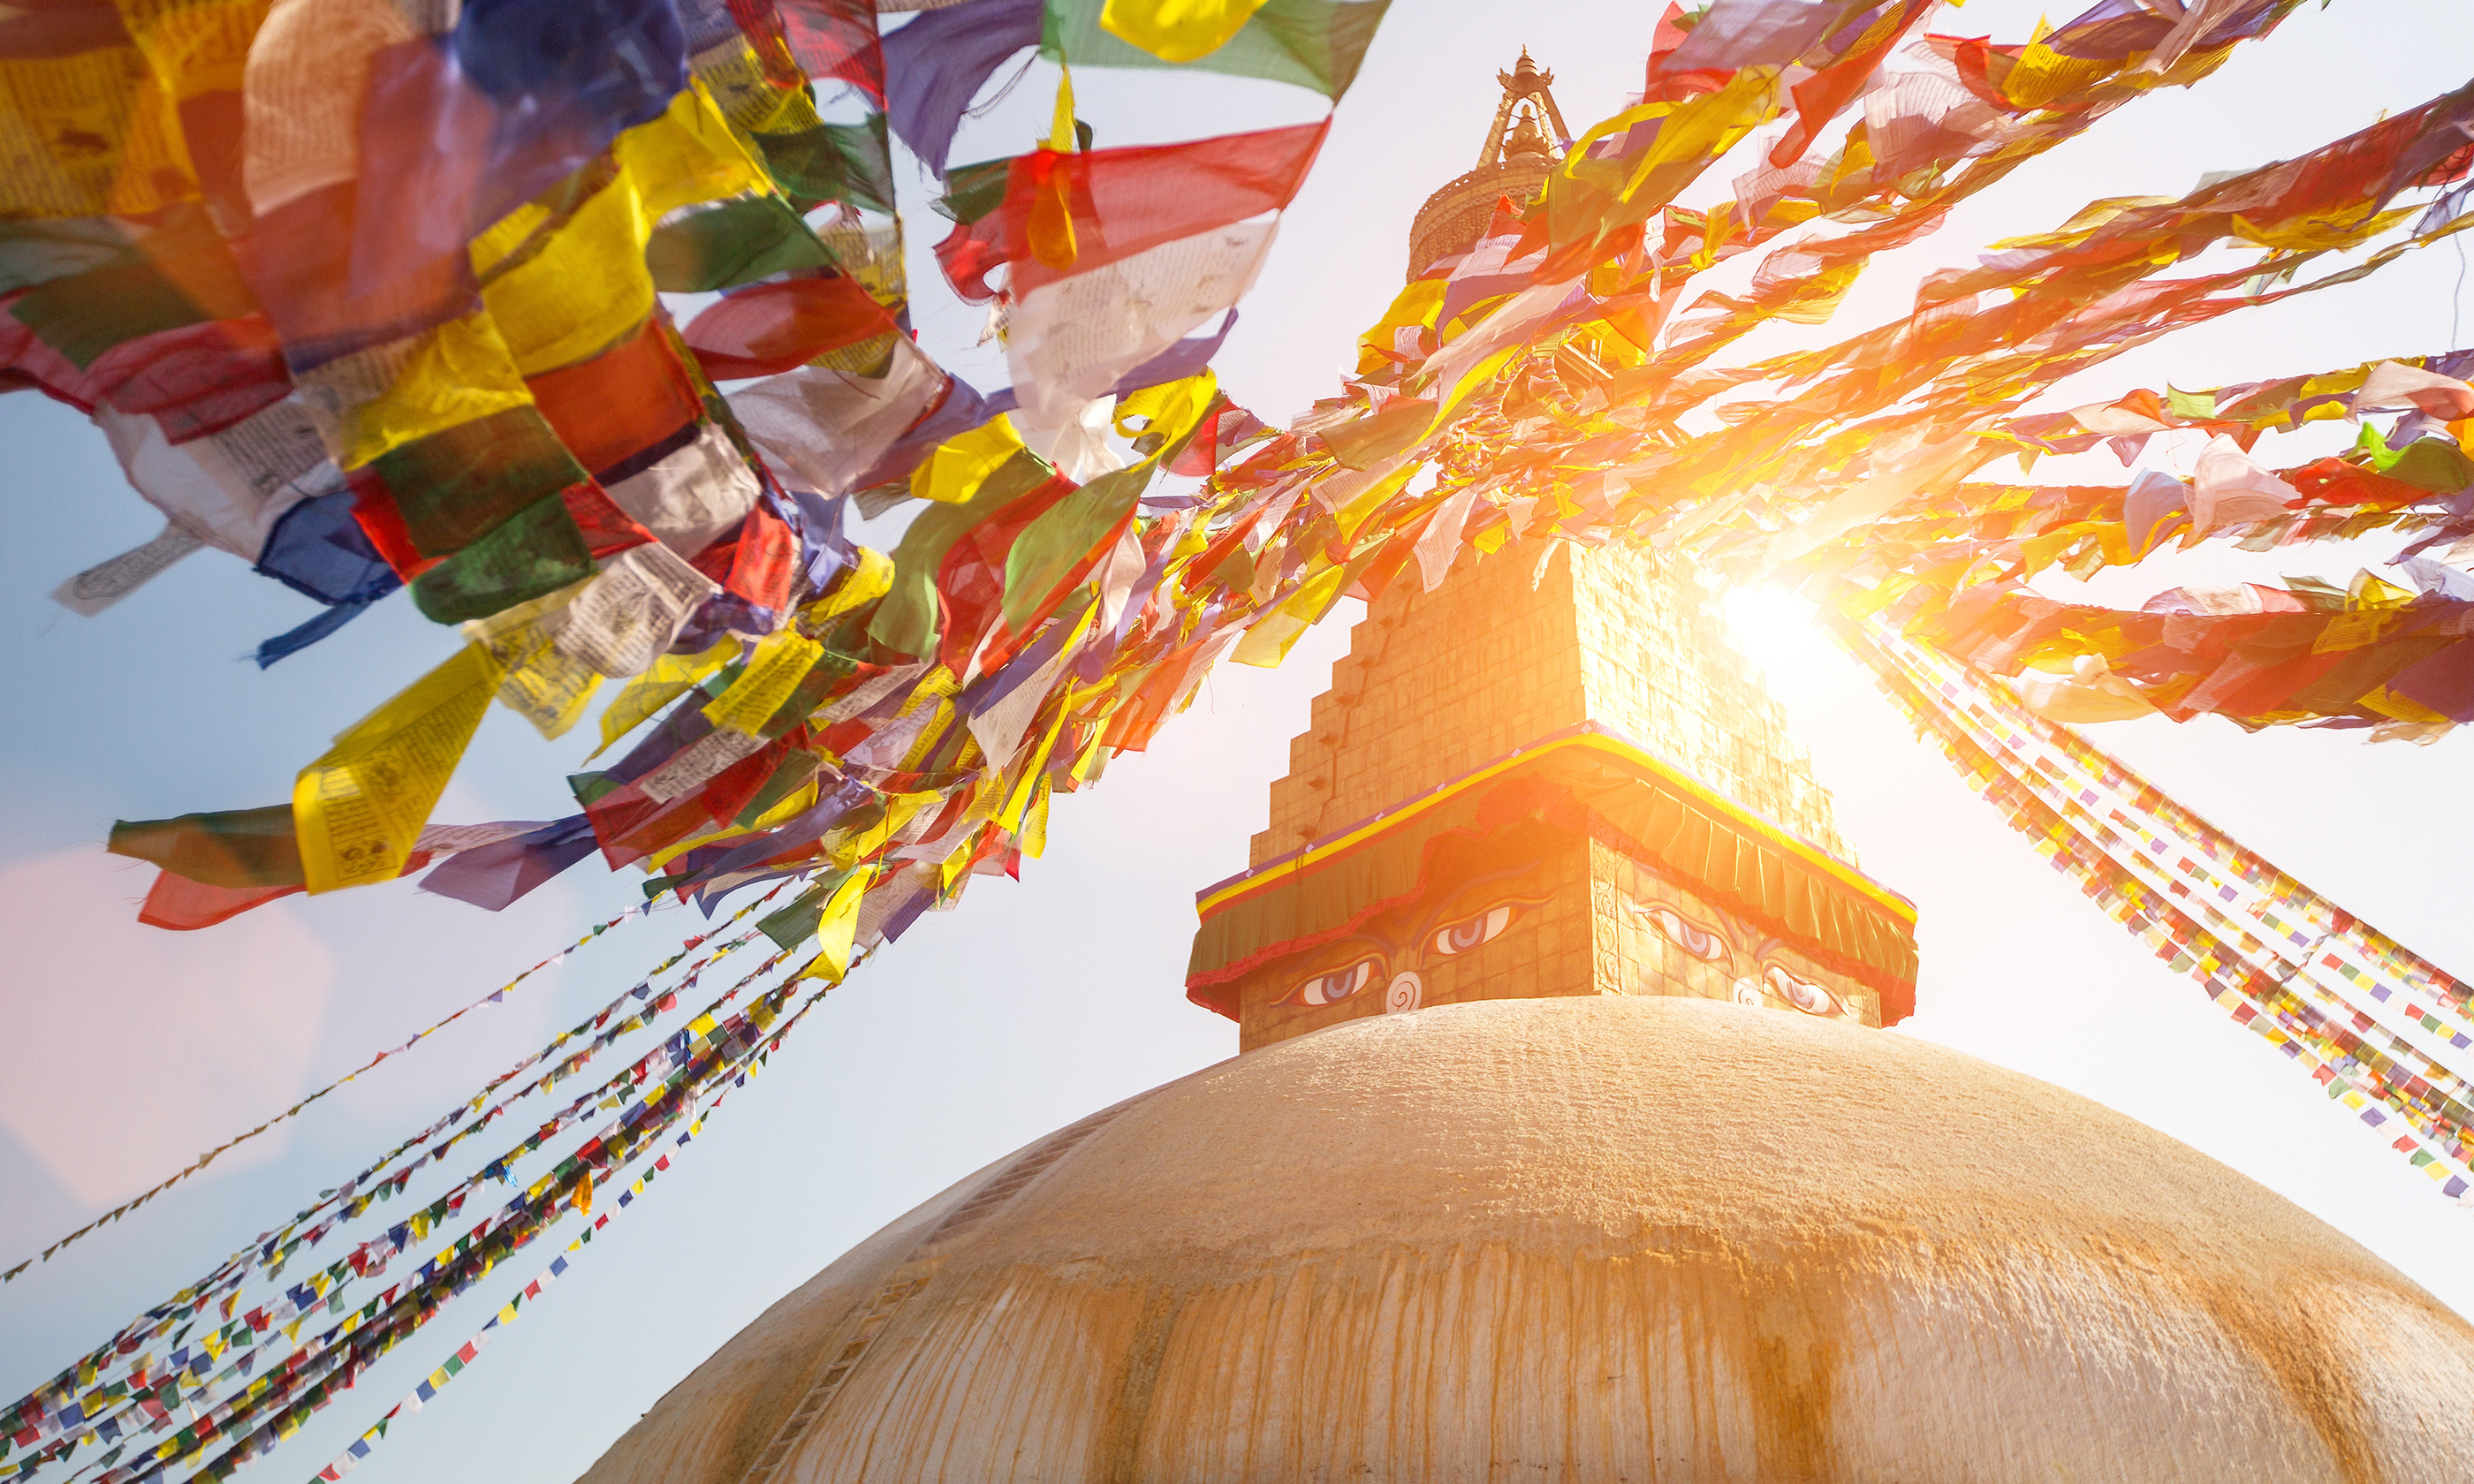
(972, 191)
(730, 243)
(235, 848)
(37, 253)
(1052, 548)
(1315, 44)
(845, 163)
(128, 295)
(83, 315)
(906, 619)
(2432, 464)
(455, 486)
(2197, 406)
(538, 550)
(794, 924)
(1367, 441)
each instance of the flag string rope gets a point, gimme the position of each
(2228, 869)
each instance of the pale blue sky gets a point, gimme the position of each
(130, 1049)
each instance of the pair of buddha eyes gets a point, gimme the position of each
(1447, 941)
(1710, 947)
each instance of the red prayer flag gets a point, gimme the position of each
(632, 397)
(183, 905)
(772, 328)
(1067, 214)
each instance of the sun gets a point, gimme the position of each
(1777, 629)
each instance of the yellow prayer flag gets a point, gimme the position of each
(2346, 225)
(838, 930)
(780, 662)
(2351, 631)
(1031, 773)
(670, 677)
(582, 289)
(563, 291)
(1062, 136)
(1415, 308)
(846, 847)
(1270, 639)
(873, 580)
(2043, 74)
(954, 472)
(446, 376)
(1170, 409)
(2368, 591)
(127, 158)
(1476, 375)
(195, 47)
(792, 805)
(1362, 503)
(1032, 836)
(539, 682)
(361, 807)
(747, 97)
(1703, 127)
(1051, 210)
(1176, 29)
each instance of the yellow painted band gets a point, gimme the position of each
(1214, 898)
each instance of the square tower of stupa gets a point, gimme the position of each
(1551, 775)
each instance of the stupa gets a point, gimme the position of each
(1566, 1142)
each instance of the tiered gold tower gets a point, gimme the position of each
(1533, 709)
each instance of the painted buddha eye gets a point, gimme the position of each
(1467, 933)
(1338, 985)
(1685, 934)
(1803, 994)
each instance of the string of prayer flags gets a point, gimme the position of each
(2364, 1017)
(709, 1052)
(429, 1388)
(439, 338)
(495, 996)
(379, 1180)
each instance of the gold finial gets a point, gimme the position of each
(1528, 109)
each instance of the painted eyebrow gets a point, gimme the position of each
(1435, 918)
(1367, 947)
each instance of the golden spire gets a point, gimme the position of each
(1518, 129)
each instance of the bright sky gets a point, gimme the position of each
(128, 1050)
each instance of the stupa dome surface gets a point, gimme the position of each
(1590, 1239)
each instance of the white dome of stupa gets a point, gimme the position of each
(1590, 1239)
